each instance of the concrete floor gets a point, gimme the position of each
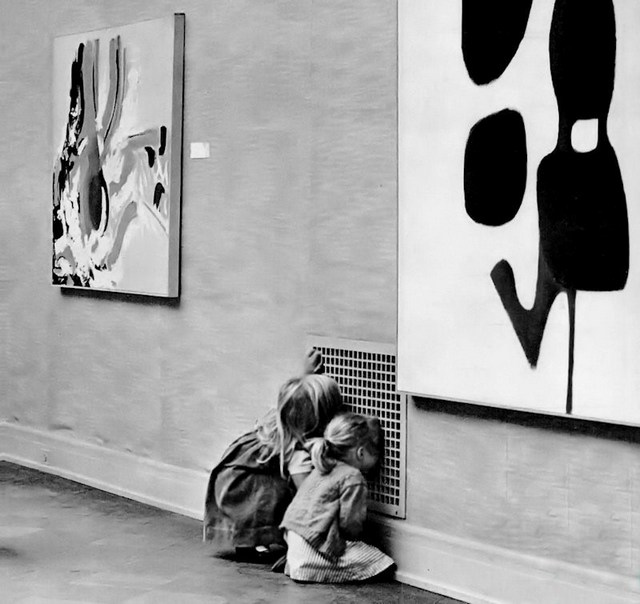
(61, 541)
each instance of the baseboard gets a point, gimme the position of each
(469, 571)
(482, 574)
(161, 485)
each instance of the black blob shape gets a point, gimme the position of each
(76, 92)
(492, 31)
(495, 168)
(95, 200)
(163, 140)
(151, 156)
(582, 51)
(157, 195)
(584, 231)
(58, 229)
(77, 281)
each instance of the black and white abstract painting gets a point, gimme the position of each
(519, 266)
(117, 126)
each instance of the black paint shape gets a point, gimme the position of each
(81, 153)
(92, 195)
(495, 168)
(582, 52)
(157, 194)
(75, 120)
(96, 197)
(529, 324)
(151, 156)
(163, 140)
(76, 93)
(583, 223)
(58, 229)
(582, 213)
(114, 96)
(584, 231)
(492, 31)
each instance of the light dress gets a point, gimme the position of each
(323, 527)
(359, 562)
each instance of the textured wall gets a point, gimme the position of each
(544, 486)
(288, 228)
(171, 382)
(353, 177)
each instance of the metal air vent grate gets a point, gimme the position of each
(366, 373)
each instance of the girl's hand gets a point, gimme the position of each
(313, 362)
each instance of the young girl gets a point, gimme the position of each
(326, 517)
(254, 482)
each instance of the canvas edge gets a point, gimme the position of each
(177, 119)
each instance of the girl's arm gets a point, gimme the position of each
(353, 510)
(299, 467)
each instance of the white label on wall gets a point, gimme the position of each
(199, 150)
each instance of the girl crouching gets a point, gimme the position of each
(325, 520)
(252, 485)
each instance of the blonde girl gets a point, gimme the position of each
(325, 521)
(254, 482)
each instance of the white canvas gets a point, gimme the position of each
(455, 339)
(117, 127)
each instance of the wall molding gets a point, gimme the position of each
(158, 484)
(469, 571)
(483, 574)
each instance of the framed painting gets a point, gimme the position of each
(519, 202)
(117, 158)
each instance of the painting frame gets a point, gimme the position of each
(117, 115)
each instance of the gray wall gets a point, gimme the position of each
(288, 229)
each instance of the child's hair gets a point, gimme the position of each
(305, 406)
(343, 433)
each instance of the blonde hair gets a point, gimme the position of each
(305, 406)
(342, 434)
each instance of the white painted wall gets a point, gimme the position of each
(289, 228)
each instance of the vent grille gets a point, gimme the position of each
(366, 373)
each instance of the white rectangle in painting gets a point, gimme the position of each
(519, 276)
(117, 127)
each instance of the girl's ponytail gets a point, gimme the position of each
(322, 455)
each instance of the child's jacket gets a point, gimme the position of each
(328, 509)
(246, 499)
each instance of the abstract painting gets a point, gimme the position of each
(519, 275)
(117, 127)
